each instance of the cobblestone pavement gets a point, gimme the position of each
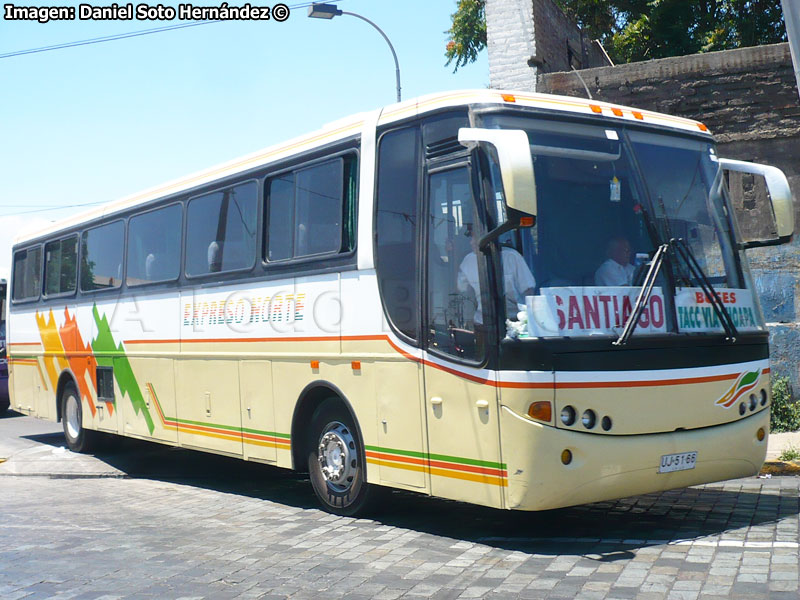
(186, 525)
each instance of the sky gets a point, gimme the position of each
(98, 122)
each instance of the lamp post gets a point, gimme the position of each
(328, 11)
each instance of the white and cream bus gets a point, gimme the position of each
(516, 300)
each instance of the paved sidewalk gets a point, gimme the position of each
(145, 521)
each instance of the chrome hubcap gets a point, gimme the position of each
(337, 456)
(73, 417)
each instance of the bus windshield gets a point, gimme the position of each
(607, 198)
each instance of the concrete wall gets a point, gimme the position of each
(749, 100)
(526, 38)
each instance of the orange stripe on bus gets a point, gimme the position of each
(436, 463)
(442, 472)
(468, 376)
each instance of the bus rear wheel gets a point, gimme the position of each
(78, 438)
(336, 461)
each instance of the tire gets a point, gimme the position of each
(78, 438)
(336, 461)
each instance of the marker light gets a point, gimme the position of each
(315, 364)
(702, 127)
(356, 365)
(595, 108)
(541, 411)
(568, 415)
(617, 111)
(761, 434)
(638, 115)
(508, 97)
(526, 221)
(566, 457)
(589, 419)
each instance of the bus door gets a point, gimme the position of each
(461, 398)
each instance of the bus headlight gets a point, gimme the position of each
(589, 419)
(568, 415)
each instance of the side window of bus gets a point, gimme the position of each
(27, 274)
(61, 266)
(154, 246)
(311, 211)
(101, 257)
(221, 230)
(397, 220)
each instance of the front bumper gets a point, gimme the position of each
(606, 467)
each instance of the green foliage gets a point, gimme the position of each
(662, 28)
(467, 33)
(785, 414)
(634, 30)
(789, 454)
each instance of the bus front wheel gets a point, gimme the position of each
(336, 461)
(78, 438)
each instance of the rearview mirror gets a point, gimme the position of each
(762, 202)
(515, 162)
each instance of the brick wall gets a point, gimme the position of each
(510, 42)
(749, 100)
(528, 37)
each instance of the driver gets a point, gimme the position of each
(518, 279)
(617, 270)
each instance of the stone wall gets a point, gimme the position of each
(529, 37)
(749, 100)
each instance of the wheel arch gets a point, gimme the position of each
(66, 377)
(312, 396)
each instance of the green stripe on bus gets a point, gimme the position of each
(232, 428)
(284, 436)
(442, 457)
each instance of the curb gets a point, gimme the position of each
(780, 467)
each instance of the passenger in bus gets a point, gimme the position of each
(617, 270)
(518, 279)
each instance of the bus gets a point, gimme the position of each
(5, 402)
(515, 300)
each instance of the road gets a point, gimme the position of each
(141, 520)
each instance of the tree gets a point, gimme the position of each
(467, 33)
(634, 30)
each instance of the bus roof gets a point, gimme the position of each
(351, 126)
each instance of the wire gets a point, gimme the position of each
(122, 36)
(108, 38)
(25, 212)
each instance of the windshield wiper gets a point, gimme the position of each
(682, 249)
(644, 294)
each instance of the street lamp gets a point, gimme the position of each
(328, 11)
